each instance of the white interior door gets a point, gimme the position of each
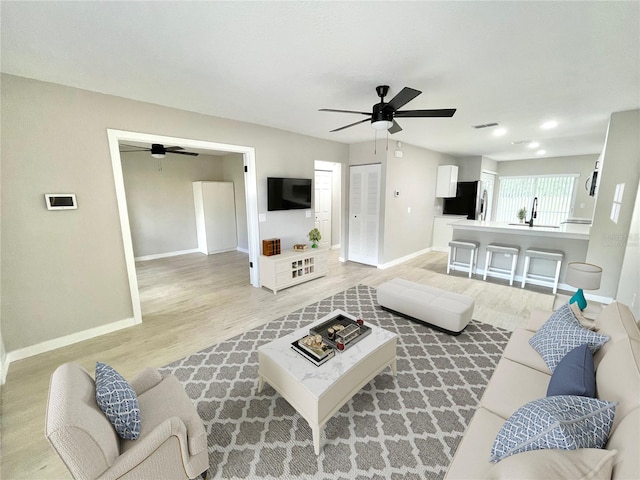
(322, 204)
(364, 213)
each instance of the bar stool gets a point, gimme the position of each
(454, 263)
(509, 274)
(552, 255)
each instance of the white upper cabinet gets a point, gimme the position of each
(447, 181)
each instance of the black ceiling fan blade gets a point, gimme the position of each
(395, 128)
(443, 112)
(342, 111)
(193, 154)
(352, 124)
(172, 149)
(403, 97)
(142, 149)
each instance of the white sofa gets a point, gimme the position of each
(522, 376)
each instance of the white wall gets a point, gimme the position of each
(620, 164)
(629, 283)
(64, 272)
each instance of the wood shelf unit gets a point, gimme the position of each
(291, 268)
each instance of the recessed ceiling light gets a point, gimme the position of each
(533, 145)
(549, 124)
(498, 132)
(541, 152)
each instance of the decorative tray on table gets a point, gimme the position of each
(341, 332)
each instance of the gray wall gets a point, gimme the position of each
(580, 164)
(160, 201)
(233, 171)
(620, 164)
(414, 176)
(64, 272)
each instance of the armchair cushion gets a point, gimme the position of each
(118, 401)
(168, 400)
(145, 380)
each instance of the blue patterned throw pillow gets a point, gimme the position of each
(118, 401)
(561, 334)
(566, 422)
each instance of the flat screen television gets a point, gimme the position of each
(465, 201)
(288, 193)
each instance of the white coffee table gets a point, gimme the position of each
(317, 393)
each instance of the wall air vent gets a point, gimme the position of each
(493, 124)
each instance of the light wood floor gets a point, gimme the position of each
(193, 301)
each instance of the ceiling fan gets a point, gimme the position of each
(159, 151)
(382, 116)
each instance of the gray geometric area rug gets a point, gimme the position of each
(403, 427)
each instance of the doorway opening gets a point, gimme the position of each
(115, 137)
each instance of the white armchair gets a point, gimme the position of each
(172, 441)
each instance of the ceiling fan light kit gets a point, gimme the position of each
(382, 116)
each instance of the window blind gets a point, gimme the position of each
(555, 198)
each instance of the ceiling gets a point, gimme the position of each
(276, 63)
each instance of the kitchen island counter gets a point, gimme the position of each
(571, 239)
(566, 230)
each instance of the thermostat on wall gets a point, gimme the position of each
(60, 201)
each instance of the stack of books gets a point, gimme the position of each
(314, 350)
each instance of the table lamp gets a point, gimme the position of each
(584, 276)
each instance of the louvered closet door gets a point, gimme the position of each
(364, 213)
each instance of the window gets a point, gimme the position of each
(555, 198)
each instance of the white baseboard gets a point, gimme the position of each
(243, 250)
(335, 247)
(59, 342)
(440, 249)
(165, 255)
(400, 260)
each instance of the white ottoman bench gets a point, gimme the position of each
(445, 311)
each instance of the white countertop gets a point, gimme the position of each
(566, 230)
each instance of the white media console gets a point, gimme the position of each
(291, 268)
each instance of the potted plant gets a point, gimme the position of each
(522, 214)
(314, 236)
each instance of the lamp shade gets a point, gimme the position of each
(583, 275)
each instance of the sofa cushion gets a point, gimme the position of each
(583, 463)
(519, 350)
(618, 377)
(561, 334)
(566, 422)
(574, 375)
(625, 438)
(471, 460)
(118, 401)
(511, 386)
